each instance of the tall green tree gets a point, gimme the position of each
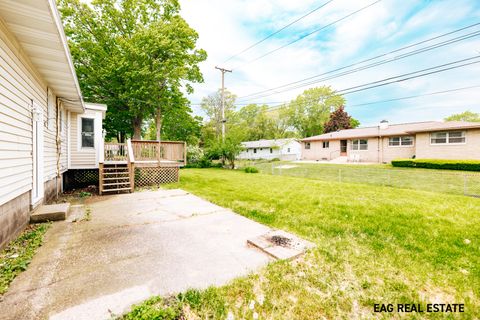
(311, 109)
(261, 122)
(137, 56)
(464, 116)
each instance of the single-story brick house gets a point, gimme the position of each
(386, 142)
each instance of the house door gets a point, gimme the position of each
(343, 147)
(37, 154)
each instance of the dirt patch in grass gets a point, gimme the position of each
(17, 256)
(280, 241)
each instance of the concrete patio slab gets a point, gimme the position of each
(135, 246)
(53, 212)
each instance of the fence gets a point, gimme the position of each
(450, 182)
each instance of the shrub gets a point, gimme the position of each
(203, 162)
(250, 170)
(466, 165)
(275, 159)
(194, 154)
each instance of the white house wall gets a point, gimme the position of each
(291, 151)
(19, 84)
(282, 152)
(84, 158)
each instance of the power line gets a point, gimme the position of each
(310, 33)
(414, 96)
(390, 80)
(278, 31)
(302, 83)
(404, 77)
(391, 100)
(283, 103)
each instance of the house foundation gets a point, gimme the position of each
(14, 217)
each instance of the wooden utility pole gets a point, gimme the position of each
(223, 70)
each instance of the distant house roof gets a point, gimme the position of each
(267, 143)
(395, 130)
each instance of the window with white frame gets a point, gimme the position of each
(307, 146)
(326, 144)
(271, 150)
(400, 141)
(447, 137)
(88, 133)
(360, 144)
(254, 150)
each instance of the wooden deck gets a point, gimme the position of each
(119, 161)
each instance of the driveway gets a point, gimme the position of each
(135, 246)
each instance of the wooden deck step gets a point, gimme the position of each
(116, 190)
(115, 184)
(115, 173)
(115, 177)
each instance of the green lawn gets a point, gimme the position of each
(445, 181)
(375, 244)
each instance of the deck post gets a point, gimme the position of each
(159, 152)
(131, 170)
(131, 165)
(100, 178)
(184, 153)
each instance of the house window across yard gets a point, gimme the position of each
(288, 150)
(359, 144)
(88, 133)
(448, 137)
(307, 146)
(271, 150)
(254, 150)
(326, 144)
(400, 141)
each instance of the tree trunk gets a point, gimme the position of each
(137, 128)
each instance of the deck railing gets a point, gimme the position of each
(145, 150)
(115, 151)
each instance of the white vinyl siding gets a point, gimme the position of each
(80, 158)
(17, 88)
(20, 83)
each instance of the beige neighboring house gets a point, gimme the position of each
(386, 142)
(45, 127)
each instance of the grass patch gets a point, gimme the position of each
(375, 244)
(18, 254)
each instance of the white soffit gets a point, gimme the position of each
(37, 26)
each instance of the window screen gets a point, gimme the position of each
(88, 133)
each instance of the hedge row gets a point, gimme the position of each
(466, 165)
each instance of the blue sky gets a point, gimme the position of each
(227, 27)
